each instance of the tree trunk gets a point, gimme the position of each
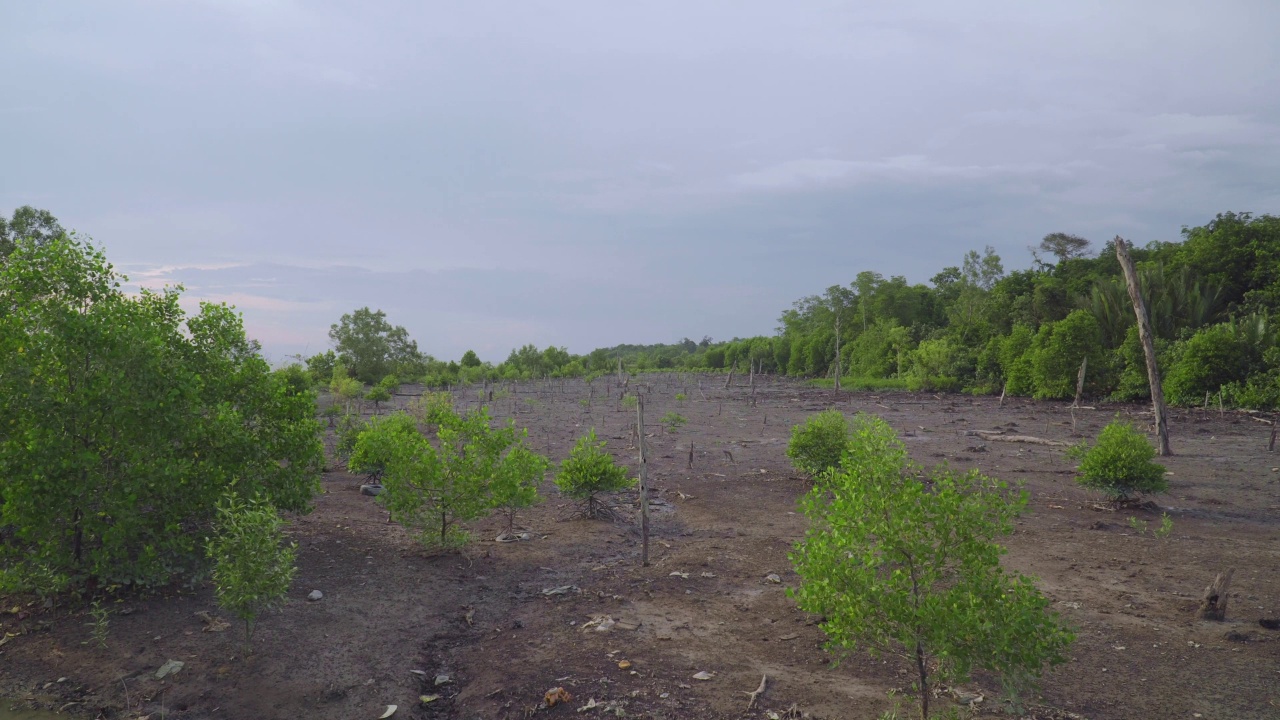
(1214, 604)
(1148, 345)
(924, 681)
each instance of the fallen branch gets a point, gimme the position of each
(1028, 439)
(758, 691)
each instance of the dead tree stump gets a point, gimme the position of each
(1214, 604)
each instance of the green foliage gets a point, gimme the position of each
(377, 443)
(433, 487)
(818, 443)
(1120, 464)
(1216, 356)
(897, 563)
(377, 395)
(373, 348)
(252, 565)
(1057, 351)
(99, 624)
(125, 420)
(320, 367)
(680, 398)
(29, 225)
(630, 402)
(470, 359)
(1166, 526)
(515, 484)
(589, 471)
(673, 421)
(934, 366)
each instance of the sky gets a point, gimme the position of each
(586, 173)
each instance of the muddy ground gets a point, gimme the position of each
(394, 617)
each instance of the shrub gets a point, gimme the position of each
(515, 484)
(1015, 361)
(1120, 464)
(125, 420)
(1215, 356)
(378, 442)
(1057, 351)
(818, 443)
(673, 421)
(377, 395)
(589, 471)
(912, 568)
(432, 487)
(252, 566)
(934, 366)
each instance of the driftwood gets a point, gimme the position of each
(757, 692)
(1028, 439)
(1214, 604)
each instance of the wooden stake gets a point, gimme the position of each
(1002, 392)
(1271, 446)
(1214, 604)
(730, 378)
(757, 693)
(691, 455)
(1084, 365)
(644, 485)
(1148, 345)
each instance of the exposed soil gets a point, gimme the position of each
(482, 617)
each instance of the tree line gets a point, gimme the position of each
(1213, 298)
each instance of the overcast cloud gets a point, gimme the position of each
(588, 173)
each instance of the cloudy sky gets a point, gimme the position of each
(584, 173)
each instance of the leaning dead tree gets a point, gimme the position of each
(1148, 345)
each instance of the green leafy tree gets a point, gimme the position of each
(373, 348)
(589, 471)
(433, 487)
(1057, 351)
(1064, 246)
(900, 565)
(470, 359)
(125, 421)
(377, 395)
(515, 484)
(30, 224)
(818, 443)
(1120, 464)
(673, 421)
(252, 565)
(379, 443)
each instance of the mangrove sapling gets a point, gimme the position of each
(589, 471)
(910, 567)
(515, 484)
(817, 444)
(1120, 464)
(377, 395)
(673, 421)
(252, 565)
(434, 487)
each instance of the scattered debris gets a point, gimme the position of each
(371, 490)
(443, 679)
(773, 578)
(315, 595)
(427, 699)
(681, 575)
(562, 590)
(624, 664)
(591, 705)
(391, 710)
(599, 623)
(170, 667)
(513, 537)
(703, 675)
(555, 696)
(211, 623)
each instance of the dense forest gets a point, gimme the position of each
(1213, 300)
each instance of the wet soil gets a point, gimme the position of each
(396, 620)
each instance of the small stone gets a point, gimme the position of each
(443, 679)
(371, 490)
(624, 665)
(169, 668)
(315, 595)
(773, 578)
